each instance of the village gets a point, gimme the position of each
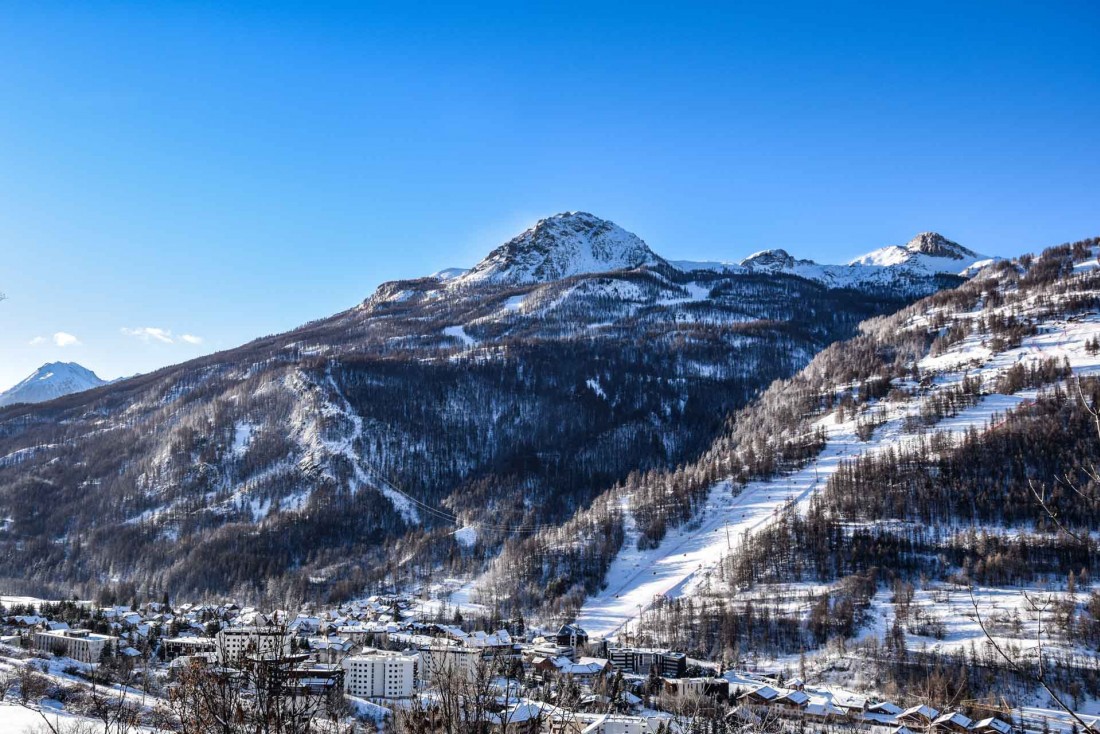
(382, 660)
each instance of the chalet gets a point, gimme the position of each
(918, 717)
(542, 668)
(523, 718)
(955, 723)
(992, 725)
(792, 700)
(852, 704)
(762, 696)
(884, 707)
(823, 711)
(585, 669)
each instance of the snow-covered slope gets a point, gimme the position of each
(561, 246)
(52, 380)
(685, 561)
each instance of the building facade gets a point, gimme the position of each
(81, 645)
(377, 674)
(235, 642)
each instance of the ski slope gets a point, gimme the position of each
(687, 555)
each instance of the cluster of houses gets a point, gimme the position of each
(764, 701)
(376, 650)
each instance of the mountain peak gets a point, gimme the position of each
(935, 244)
(51, 380)
(928, 252)
(560, 246)
(776, 259)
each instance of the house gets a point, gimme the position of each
(822, 711)
(762, 696)
(884, 707)
(851, 704)
(330, 649)
(792, 700)
(992, 725)
(953, 722)
(918, 717)
(585, 669)
(522, 718)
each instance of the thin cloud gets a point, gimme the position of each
(150, 334)
(155, 334)
(38, 341)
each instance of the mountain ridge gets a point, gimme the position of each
(578, 243)
(507, 400)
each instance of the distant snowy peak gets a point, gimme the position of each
(911, 267)
(52, 380)
(772, 260)
(561, 246)
(929, 251)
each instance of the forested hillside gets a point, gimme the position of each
(936, 469)
(510, 402)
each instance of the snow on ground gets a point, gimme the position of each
(459, 332)
(15, 719)
(466, 537)
(684, 559)
(686, 555)
(242, 436)
(454, 593)
(514, 303)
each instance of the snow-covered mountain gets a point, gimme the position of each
(572, 243)
(52, 380)
(570, 357)
(578, 243)
(912, 267)
(928, 252)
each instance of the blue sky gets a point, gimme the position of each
(228, 170)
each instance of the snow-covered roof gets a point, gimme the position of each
(922, 711)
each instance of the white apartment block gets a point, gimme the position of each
(235, 642)
(80, 645)
(377, 674)
(454, 660)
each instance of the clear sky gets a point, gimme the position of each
(227, 170)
